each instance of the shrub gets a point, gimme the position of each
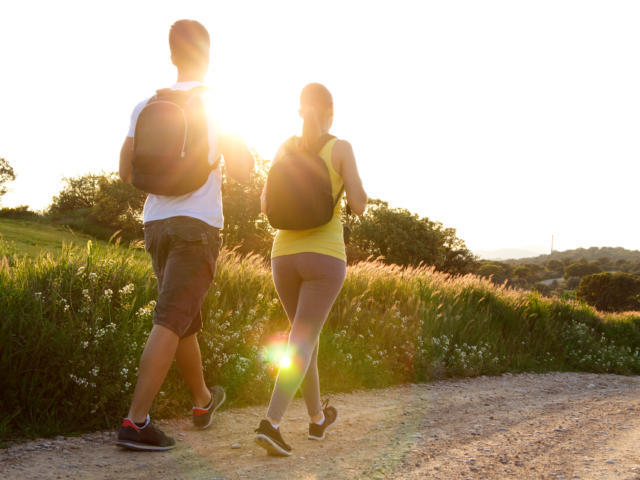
(580, 269)
(22, 212)
(610, 291)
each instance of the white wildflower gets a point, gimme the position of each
(127, 289)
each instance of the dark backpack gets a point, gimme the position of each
(171, 144)
(299, 194)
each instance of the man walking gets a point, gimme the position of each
(182, 235)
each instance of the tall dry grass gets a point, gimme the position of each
(73, 326)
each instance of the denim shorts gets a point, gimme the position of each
(184, 251)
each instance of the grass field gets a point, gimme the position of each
(32, 238)
(75, 319)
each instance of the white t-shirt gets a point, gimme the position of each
(205, 203)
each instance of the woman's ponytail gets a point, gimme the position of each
(315, 100)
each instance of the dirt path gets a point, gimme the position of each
(560, 425)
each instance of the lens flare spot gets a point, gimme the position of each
(276, 352)
(285, 361)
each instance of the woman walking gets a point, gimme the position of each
(309, 268)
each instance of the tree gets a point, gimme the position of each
(118, 205)
(100, 204)
(523, 272)
(555, 266)
(610, 291)
(6, 175)
(78, 193)
(580, 269)
(400, 237)
(245, 228)
(494, 271)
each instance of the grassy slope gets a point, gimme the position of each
(74, 322)
(31, 238)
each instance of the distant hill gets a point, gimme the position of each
(589, 254)
(507, 253)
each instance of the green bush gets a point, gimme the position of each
(22, 212)
(610, 291)
(580, 269)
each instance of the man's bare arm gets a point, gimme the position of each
(237, 158)
(126, 156)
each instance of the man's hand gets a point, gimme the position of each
(237, 158)
(126, 156)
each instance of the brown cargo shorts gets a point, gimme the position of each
(184, 251)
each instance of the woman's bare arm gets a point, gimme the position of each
(345, 163)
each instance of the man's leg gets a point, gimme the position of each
(189, 362)
(154, 364)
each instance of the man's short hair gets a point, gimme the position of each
(189, 44)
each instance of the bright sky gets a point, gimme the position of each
(510, 121)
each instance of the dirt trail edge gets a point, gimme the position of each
(558, 425)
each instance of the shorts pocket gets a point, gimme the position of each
(189, 232)
(150, 234)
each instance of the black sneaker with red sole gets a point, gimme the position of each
(202, 417)
(148, 438)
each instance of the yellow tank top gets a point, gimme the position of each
(326, 239)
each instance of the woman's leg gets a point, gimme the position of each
(322, 278)
(310, 387)
(287, 283)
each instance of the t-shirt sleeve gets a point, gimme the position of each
(134, 117)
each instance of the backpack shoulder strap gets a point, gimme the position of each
(162, 94)
(321, 142)
(198, 90)
(180, 97)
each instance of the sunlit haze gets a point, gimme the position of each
(509, 121)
